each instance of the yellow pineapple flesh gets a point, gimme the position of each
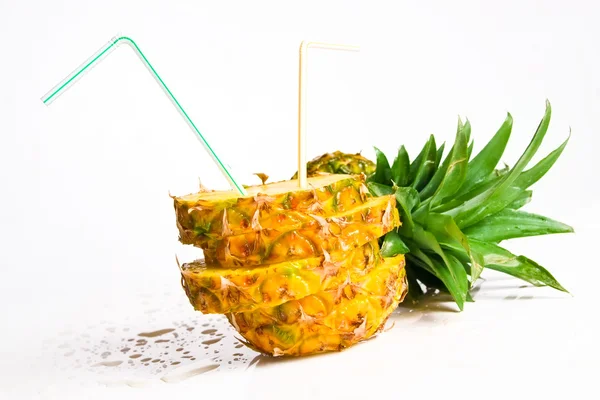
(225, 290)
(281, 205)
(343, 232)
(330, 320)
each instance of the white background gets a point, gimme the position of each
(86, 220)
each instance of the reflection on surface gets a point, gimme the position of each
(170, 343)
(156, 348)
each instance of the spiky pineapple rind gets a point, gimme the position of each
(339, 163)
(336, 234)
(331, 320)
(203, 216)
(220, 290)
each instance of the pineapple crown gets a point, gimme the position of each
(455, 212)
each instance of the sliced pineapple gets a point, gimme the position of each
(344, 232)
(330, 320)
(209, 215)
(224, 290)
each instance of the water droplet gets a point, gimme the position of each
(211, 341)
(159, 332)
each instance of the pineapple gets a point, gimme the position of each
(330, 320)
(209, 215)
(340, 233)
(278, 245)
(220, 290)
(300, 272)
(340, 163)
(456, 210)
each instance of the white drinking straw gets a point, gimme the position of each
(302, 85)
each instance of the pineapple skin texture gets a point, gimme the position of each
(330, 320)
(200, 218)
(296, 272)
(341, 234)
(221, 291)
(339, 163)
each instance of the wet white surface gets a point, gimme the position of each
(155, 345)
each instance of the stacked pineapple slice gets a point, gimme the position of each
(295, 271)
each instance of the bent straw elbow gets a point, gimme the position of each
(93, 60)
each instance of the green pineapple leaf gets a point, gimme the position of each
(446, 231)
(488, 158)
(426, 167)
(393, 245)
(427, 241)
(467, 129)
(489, 207)
(400, 168)
(532, 175)
(470, 150)
(452, 206)
(515, 196)
(378, 189)
(496, 197)
(519, 202)
(407, 199)
(457, 169)
(499, 259)
(414, 166)
(435, 181)
(510, 224)
(383, 172)
(438, 156)
(452, 274)
(530, 151)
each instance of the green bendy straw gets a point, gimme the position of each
(112, 44)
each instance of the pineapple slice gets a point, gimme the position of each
(330, 320)
(220, 290)
(209, 215)
(345, 231)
